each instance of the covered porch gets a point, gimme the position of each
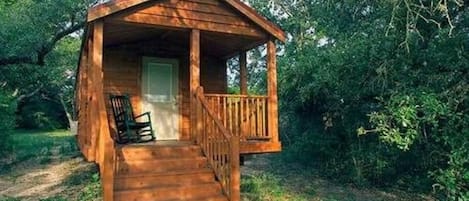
(199, 59)
(170, 58)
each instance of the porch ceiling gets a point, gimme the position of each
(220, 45)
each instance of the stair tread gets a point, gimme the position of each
(145, 146)
(165, 159)
(210, 198)
(172, 187)
(174, 172)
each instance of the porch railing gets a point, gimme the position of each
(245, 116)
(218, 144)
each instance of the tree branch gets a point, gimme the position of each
(24, 96)
(47, 47)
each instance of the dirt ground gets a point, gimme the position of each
(30, 181)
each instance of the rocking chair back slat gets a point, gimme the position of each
(128, 128)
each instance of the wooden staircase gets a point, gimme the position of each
(171, 172)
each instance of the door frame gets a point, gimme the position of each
(175, 62)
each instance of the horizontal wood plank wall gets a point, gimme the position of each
(122, 75)
(205, 15)
(122, 71)
(213, 78)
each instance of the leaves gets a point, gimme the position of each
(393, 71)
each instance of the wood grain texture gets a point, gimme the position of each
(243, 73)
(219, 145)
(105, 146)
(206, 6)
(185, 23)
(272, 108)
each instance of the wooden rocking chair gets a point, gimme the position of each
(129, 130)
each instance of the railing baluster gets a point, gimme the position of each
(244, 116)
(219, 144)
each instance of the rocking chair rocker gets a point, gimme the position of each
(129, 130)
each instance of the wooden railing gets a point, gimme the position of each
(245, 116)
(218, 144)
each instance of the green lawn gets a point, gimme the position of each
(41, 145)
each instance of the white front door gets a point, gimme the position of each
(160, 92)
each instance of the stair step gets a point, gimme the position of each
(157, 152)
(212, 198)
(184, 177)
(163, 165)
(169, 193)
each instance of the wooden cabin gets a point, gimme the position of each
(170, 57)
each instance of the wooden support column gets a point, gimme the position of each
(243, 73)
(105, 151)
(91, 115)
(98, 84)
(81, 102)
(235, 170)
(272, 104)
(194, 67)
(243, 85)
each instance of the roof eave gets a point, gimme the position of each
(115, 6)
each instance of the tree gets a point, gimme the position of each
(31, 28)
(40, 39)
(396, 71)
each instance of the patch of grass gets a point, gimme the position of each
(92, 190)
(266, 187)
(39, 145)
(81, 176)
(88, 180)
(9, 199)
(58, 198)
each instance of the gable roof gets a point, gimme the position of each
(115, 6)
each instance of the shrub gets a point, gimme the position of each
(7, 120)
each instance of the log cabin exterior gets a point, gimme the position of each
(170, 57)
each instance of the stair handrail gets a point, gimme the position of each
(219, 145)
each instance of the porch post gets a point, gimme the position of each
(194, 74)
(105, 146)
(92, 127)
(243, 79)
(272, 104)
(243, 73)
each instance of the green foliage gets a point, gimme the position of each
(405, 117)
(394, 70)
(26, 145)
(262, 187)
(7, 122)
(43, 115)
(30, 28)
(92, 190)
(39, 44)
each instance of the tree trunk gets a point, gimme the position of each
(71, 122)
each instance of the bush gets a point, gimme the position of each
(40, 114)
(7, 120)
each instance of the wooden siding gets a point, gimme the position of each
(206, 15)
(206, 6)
(122, 75)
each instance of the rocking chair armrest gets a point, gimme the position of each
(144, 114)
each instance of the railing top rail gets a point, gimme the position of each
(200, 95)
(235, 96)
